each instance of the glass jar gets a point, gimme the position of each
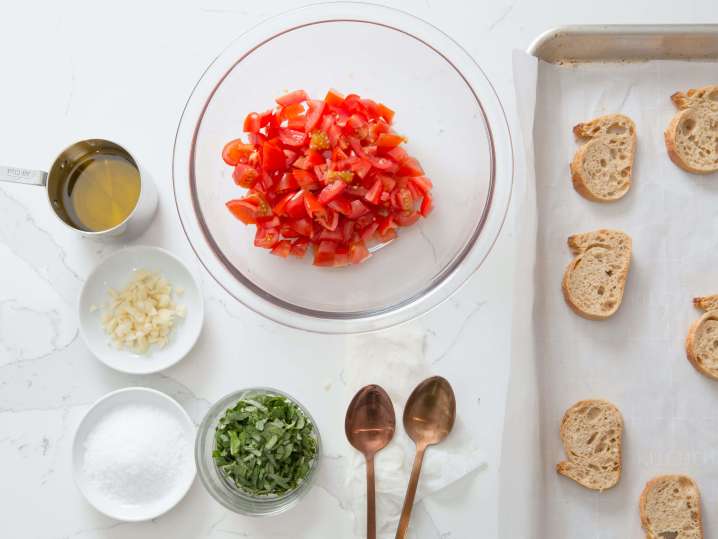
(222, 489)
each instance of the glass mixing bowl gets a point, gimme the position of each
(444, 104)
(220, 488)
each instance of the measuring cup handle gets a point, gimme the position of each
(23, 175)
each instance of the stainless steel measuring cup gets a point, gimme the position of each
(135, 222)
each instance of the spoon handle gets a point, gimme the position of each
(370, 499)
(410, 494)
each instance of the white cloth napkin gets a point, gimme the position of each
(397, 363)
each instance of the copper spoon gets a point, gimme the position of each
(370, 426)
(428, 418)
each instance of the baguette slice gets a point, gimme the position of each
(702, 339)
(594, 281)
(706, 303)
(692, 136)
(591, 432)
(670, 508)
(601, 169)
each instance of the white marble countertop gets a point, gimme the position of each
(76, 69)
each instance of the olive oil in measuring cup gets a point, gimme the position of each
(98, 187)
(95, 188)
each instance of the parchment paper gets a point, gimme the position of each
(635, 359)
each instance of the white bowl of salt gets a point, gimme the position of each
(133, 455)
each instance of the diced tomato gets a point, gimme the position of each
(305, 179)
(290, 137)
(273, 158)
(361, 167)
(313, 206)
(282, 248)
(358, 209)
(314, 158)
(398, 154)
(245, 175)
(403, 199)
(388, 182)
(374, 194)
(358, 252)
(236, 150)
(341, 256)
(386, 223)
(324, 253)
(332, 235)
(297, 123)
(387, 237)
(266, 238)
(347, 228)
(251, 123)
(382, 163)
(368, 231)
(329, 220)
(406, 218)
(299, 247)
(389, 140)
(342, 205)
(287, 183)
(427, 204)
(422, 183)
(269, 221)
(295, 206)
(290, 111)
(331, 191)
(280, 207)
(330, 172)
(244, 211)
(334, 98)
(297, 96)
(385, 112)
(303, 226)
(314, 113)
(410, 167)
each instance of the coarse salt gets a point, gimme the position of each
(135, 454)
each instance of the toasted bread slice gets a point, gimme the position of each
(591, 432)
(670, 508)
(594, 281)
(692, 136)
(706, 303)
(602, 167)
(702, 339)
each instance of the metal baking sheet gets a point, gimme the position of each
(614, 72)
(626, 43)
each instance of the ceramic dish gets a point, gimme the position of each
(115, 272)
(444, 104)
(111, 402)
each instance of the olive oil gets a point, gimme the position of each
(99, 189)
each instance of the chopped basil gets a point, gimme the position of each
(265, 445)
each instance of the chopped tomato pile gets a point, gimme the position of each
(328, 173)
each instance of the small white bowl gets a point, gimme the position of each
(110, 402)
(116, 272)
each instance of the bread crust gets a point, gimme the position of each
(645, 524)
(577, 251)
(561, 467)
(581, 131)
(691, 344)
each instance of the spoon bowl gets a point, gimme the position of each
(370, 425)
(429, 416)
(430, 412)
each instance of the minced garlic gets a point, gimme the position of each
(142, 314)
